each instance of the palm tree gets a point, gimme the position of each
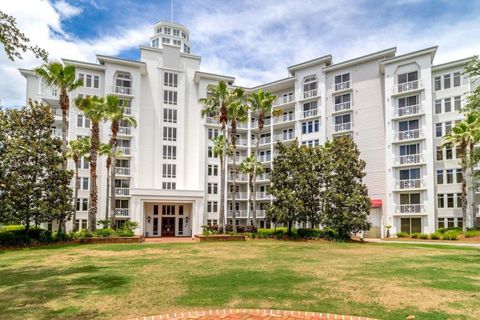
(261, 102)
(250, 165)
(56, 75)
(76, 150)
(216, 103)
(94, 109)
(105, 149)
(237, 112)
(221, 152)
(115, 112)
(465, 135)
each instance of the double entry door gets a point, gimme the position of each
(164, 226)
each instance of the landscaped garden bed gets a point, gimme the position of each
(220, 237)
(447, 234)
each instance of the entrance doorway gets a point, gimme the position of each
(168, 226)
(411, 225)
(376, 219)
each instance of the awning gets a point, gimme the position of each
(376, 203)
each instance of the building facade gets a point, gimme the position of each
(396, 108)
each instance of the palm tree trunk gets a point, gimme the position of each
(221, 213)
(234, 171)
(108, 190)
(472, 185)
(75, 197)
(249, 220)
(64, 106)
(257, 144)
(92, 211)
(113, 143)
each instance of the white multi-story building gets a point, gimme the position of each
(396, 108)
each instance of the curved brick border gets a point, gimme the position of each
(244, 314)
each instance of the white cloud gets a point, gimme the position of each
(37, 23)
(66, 10)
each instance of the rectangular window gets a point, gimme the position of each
(438, 130)
(169, 134)
(212, 170)
(210, 152)
(169, 170)
(459, 175)
(439, 153)
(460, 223)
(459, 200)
(96, 82)
(439, 176)
(441, 223)
(457, 103)
(169, 115)
(169, 185)
(448, 104)
(438, 106)
(451, 222)
(170, 97)
(212, 133)
(88, 81)
(170, 79)
(440, 201)
(212, 188)
(448, 127)
(450, 200)
(212, 206)
(85, 183)
(456, 79)
(446, 81)
(448, 153)
(169, 152)
(438, 83)
(449, 173)
(310, 126)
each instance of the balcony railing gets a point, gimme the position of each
(238, 195)
(409, 208)
(408, 110)
(122, 212)
(284, 100)
(285, 136)
(342, 106)
(211, 120)
(237, 159)
(409, 159)
(310, 113)
(407, 86)
(121, 171)
(310, 93)
(50, 92)
(262, 195)
(266, 158)
(341, 86)
(267, 122)
(284, 118)
(122, 191)
(57, 133)
(124, 150)
(239, 177)
(409, 184)
(263, 177)
(122, 90)
(265, 140)
(260, 214)
(125, 130)
(242, 142)
(408, 134)
(57, 112)
(238, 213)
(128, 110)
(343, 127)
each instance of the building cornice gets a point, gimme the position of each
(185, 55)
(83, 64)
(212, 76)
(125, 62)
(306, 64)
(379, 55)
(27, 72)
(453, 64)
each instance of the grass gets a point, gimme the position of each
(385, 281)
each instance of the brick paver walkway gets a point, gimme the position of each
(169, 239)
(251, 314)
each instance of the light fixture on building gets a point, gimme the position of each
(148, 219)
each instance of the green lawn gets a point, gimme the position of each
(386, 281)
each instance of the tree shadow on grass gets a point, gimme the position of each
(26, 291)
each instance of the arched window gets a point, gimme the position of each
(310, 85)
(123, 83)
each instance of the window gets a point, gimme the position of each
(166, 30)
(457, 103)
(449, 173)
(169, 134)
(440, 201)
(123, 80)
(82, 121)
(343, 122)
(411, 225)
(212, 188)
(186, 48)
(170, 97)
(448, 127)
(446, 81)
(456, 79)
(441, 223)
(176, 32)
(439, 153)
(459, 175)
(459, 200)
(85, 185)
(439, 176)
(177, 42)
(83, 163)
(169, 185)
(212, 206)
(166, 40)
(212, 170)
(438, 130)
(169, 152)
(438, 83)
(342, 102)
(450, 200)
(212, 133)
(169, 115)
(451, 222)
(155, 43)
(458, 152)
(438, 106)
(310, 109)
(89, 80)
(170, 79)
(82, 204)
(311, 143)
(448, 104)
(310, 87)
(407, 77)
(169, 170)
(168, 210)
(210, 152)
(310, 126)
(411, 125)
(342, 81)
(459, 222)
(448, 153)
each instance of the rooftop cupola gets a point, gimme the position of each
(172, 34)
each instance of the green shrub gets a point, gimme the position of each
(423, 236)
(436, 236)
(17, 236)
(472, 233)
(444, 230)
(305, 233)
(130, 225)
(329, 234)
(84, 233)
(12, 227)
(125, 232)
(415, 235)
(107, 232)
(60, 236)
(402, 235)
(451, 235)
(278, 233)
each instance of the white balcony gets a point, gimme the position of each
(407, 110)
(343, 127)
(408, 135)
(57, 133)
(310, 94)
(128, 111)
(267, 122)
(124, 151)
(409, 184)
(120, 171)
(284, 118)
(238, 213)
(260, 214)
(341, 86)
(409, 159)
(238, 159)
(242, 125)
(262, 195)
(407, 86)
(286, 136)
(265, 140)
(239, 177)
(310, 113)
(242, 142)
(122, 191)
(238, 195)
(57, 112)
(413, 208)
(122, 90)
(283, 100)
(263, 159)
(263, 177)
(210, 120)
(126, 131)
(122, 212)
(343, 106)
(49, 92)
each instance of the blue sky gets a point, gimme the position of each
(254, 41)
